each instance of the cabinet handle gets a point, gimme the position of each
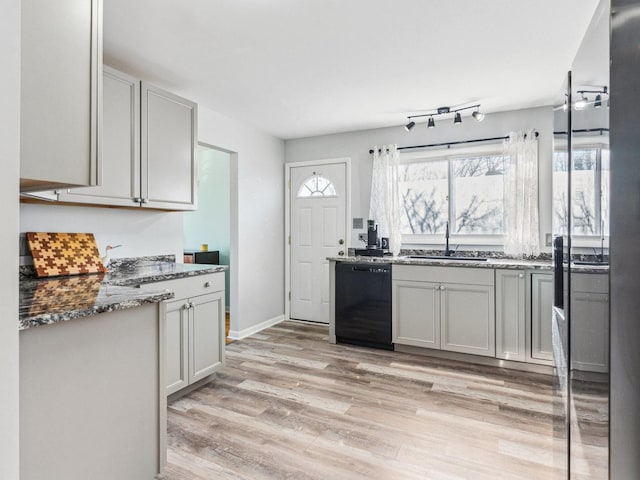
(521, 275)
(341, 252)
(144, 200)
(137, 200)
(186, 306)
(441, 287)
(341, 241)
(207, 284)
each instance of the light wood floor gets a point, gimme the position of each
(289, 405)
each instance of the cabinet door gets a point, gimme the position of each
(541, 308)
(416, 313)
(510, 315)
(120, 141)
(168, 136)
(61, 62)
(590, 335)
(206, 335)
(177, 345)
(468, 319)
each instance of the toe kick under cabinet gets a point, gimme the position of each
(194, 323)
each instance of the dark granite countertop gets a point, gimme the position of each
(507, 263)
(44, 301)
(148, 271)
(503, 263)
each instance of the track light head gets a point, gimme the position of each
(598, 102)
(478, 116)
(582, 103)
(458, 119)
(431, 123)
(409, 126)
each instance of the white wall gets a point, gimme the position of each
(257, 239)
(141, 232)
(9, 161)
(356, 145)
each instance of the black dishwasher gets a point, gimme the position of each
(363, 304)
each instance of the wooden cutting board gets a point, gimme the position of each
(64, 253)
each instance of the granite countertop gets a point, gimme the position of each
(44, 301)
(148, 271)
(507, 263)
(504, 263)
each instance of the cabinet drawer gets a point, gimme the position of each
(419, 273)
(192, 286)
(590, 282)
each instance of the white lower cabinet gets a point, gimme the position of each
(468, 318)
(194, 329)
(447, 308)
(590, 322)
(511, 314)
(416, 313)
(541, 350)
(194, 349)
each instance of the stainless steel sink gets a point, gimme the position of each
(443, 257)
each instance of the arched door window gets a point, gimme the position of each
(317, 186)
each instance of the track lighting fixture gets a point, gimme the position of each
(457, 119)
(584, 101)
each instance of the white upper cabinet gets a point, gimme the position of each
(61, 53)
(120, 173)
(168, 149)
(148, 148)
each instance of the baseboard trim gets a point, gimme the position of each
(240, 334)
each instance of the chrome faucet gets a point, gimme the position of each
(447, 251)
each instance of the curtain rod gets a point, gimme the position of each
(584, 130)
(448, 144)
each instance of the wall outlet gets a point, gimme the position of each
(547, 239)
(363, 237)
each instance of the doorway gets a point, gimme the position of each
(317, 210)
(209, 227)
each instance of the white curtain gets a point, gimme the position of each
(522, 237)
(384, 207)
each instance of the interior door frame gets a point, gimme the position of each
(287, 217)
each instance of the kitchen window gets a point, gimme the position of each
(465, 190)
(590, 191)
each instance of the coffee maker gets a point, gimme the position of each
(373, 242)
(372, 234)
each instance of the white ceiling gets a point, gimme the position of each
(298, 68)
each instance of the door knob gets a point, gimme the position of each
(341, 241)
(341, 252)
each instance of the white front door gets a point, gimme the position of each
(318, 199)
